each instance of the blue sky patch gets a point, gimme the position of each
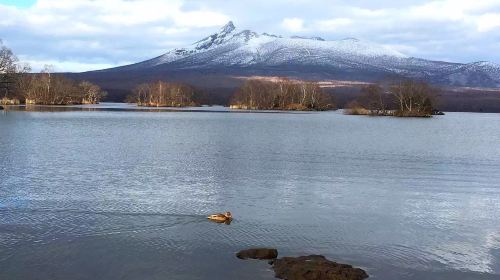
(18, 3)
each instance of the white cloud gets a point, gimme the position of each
(66, 66)
(488, 22)
(75, 14)
(105, 32)
(296, 25)
(334, 24)
(293, 24)
(112, 32)
(200, 19)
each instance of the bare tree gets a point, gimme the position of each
(413, 98)
(163, 94)
(47, 88)
(374, 99)
(92, 93)
(8, 68)
(17, 83)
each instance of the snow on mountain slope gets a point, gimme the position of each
(246, 49)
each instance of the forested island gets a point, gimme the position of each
(407, 98)
(165, 94)
(283, 94)
(254, 94)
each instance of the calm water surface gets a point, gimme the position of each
(124, 195)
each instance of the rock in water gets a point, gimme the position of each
(315, 267)
(258, 253)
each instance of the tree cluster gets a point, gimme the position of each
(284, 94)
(8, 69)
(373, 101)
(407, 98)
(413, 98)
(165, 94)
(46, 88)
(17, 84)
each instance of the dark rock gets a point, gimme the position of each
(1, 108)
(315, 267)
(437, 113)
(258, 253)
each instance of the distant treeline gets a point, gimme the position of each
(18, 85)
(49, 89)
(165, 94)
(254, 94)
(283, 94)
(407, 98)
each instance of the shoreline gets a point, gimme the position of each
(131, 107)
(134, 108)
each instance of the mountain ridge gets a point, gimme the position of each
(232, 49)
(246, 47)
(219, 64)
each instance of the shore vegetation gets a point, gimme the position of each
(165, 94)
(18, 85)
(283, 94)
(407, 98)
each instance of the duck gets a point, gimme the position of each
(221, 217)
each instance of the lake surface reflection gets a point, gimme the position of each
(123, 194)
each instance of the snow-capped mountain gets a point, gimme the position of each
(243, 51)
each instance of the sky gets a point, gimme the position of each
(81, 35)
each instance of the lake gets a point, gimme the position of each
(118, 193)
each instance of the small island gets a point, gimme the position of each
(407, 98)
(281, 94)
(254, 94)
(165, 94)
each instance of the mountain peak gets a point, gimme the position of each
(217, 38)
(228, 28)
(230, 47)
